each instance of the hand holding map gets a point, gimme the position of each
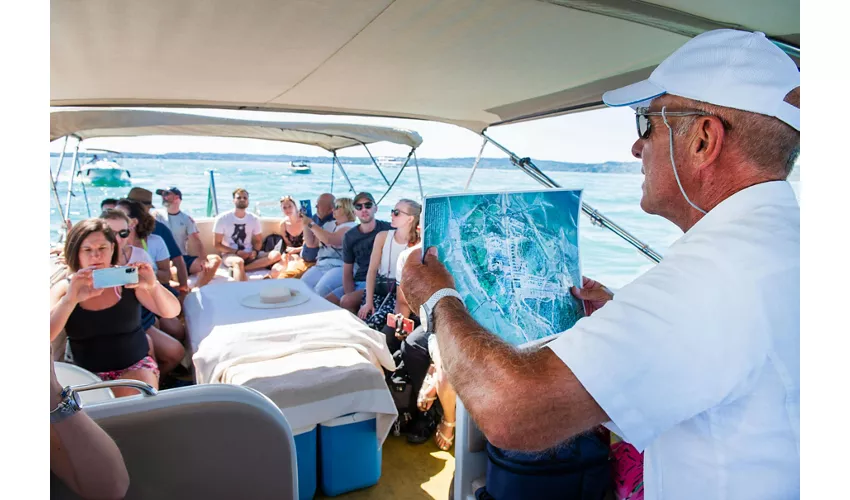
(419, 281)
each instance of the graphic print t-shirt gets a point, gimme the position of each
(237, 232)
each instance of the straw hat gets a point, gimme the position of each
(273, 297)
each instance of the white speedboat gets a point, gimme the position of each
(102, 172)
(300, 167)
(494, 63)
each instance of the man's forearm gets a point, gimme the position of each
(520, 400)
(347, 282)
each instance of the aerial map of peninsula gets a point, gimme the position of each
(514, 257)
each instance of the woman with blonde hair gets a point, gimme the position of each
(292, 230)
(381, 278)
(326, 275)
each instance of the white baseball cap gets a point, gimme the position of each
(729, 68)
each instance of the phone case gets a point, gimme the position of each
(115, 276)
(306, 208)
(406, 324)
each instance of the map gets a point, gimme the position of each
(514, 257)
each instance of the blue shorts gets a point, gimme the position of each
(188, 259)
(358, 285)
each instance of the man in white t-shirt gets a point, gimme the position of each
(697, 361)
(186, 235)
(239, 238)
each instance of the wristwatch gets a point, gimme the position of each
(426, 310)
(69, 406)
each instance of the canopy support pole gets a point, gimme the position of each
(376, 163)
(418, 177)
(475, 165)
(61, 160)
(85, 195)
(527, 166)
(344, 174)
(399, 175)
(333, 171)
(74, 171)
(56, 196)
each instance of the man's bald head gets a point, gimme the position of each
(325, 205)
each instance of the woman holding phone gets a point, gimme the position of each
(167, 350)
(104, 326)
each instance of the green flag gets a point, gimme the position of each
(210, 204)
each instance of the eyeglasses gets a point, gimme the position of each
(644, 126)
(336, 207)
(396, 211)
(367, 205)
(124, 233)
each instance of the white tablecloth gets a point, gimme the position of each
(314, 360)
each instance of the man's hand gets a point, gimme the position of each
(245, 254)
(306, 220)
(594, 294)
(420, 281)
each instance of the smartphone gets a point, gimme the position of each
(306, 209)
(406, 324)
(115, 276)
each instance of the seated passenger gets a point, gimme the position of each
(238, 238)
(108, 203)
(292, 231)
(357, 253)
(104, 326)
(326, 275)
(141, 235)
(381, 276)
(187, 236)
(167, 350)
(145, 197)
(310, 250)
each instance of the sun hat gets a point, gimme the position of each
(141, 195)
(730, 68)
(273, 297)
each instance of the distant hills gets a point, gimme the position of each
(485, 163)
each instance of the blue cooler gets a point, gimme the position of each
(305, 453)
(349, 456)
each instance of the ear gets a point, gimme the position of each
(708, 142)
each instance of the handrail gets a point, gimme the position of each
(146, 389)
(527, 166)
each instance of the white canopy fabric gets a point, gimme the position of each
(472, 63)
(89, 123)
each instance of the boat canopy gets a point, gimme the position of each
(90, 123)
(470, 63)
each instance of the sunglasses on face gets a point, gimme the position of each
(124, 233)
(336, 207)
(396, 211)
(644, 126)
(367, 205)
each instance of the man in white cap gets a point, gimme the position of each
(696, 361)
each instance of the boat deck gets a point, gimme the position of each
(410, 471)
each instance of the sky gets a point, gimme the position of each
(590, 137)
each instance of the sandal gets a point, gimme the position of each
(448, 440)
(428, 392)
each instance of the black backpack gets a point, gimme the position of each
(273, 242)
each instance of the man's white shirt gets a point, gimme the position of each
(698, 360)
(237, 232)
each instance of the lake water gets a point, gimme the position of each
(604, 256)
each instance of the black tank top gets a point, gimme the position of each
(109, 339)
(296, 240)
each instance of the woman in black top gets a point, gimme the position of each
(104, 325)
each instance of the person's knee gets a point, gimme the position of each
(214, 260)
(274, 256)
(348, 300)
(236, 262)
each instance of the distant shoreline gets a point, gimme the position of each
(485, 163)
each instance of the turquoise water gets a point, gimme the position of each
(604, 256)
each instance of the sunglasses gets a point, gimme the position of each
(367, 205)
(644, 126)
(124, 233)
(396, 211)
